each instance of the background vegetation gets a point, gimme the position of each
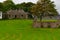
(43, 8)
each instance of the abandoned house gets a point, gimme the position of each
(11, 14)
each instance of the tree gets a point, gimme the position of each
(8, 0)
(1, 6)
(26, 7)
(8, 5)
(43, 8)
(21, 6)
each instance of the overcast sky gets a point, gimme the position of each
(57, 3)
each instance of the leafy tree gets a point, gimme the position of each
(26, 7)
(21, 6)
(8, 5)
(43, 8)
(1, 7)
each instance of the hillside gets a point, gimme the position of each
(23, 30)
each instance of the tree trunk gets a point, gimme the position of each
(35, 18)
(41, 17)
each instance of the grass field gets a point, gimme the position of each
(23, 30)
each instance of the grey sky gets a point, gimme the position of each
(57, 3)
(19, 1)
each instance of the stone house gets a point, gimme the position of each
(11, 14)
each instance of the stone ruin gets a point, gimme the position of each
(16, 14)
(37, 24)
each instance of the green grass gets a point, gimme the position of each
(23, 30)
(48, 20)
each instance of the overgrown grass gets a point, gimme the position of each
(48, 20)
(22, 30)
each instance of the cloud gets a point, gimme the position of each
(2, 0)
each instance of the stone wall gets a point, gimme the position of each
(46, 24)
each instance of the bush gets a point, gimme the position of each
(59, 26)
(49, 26)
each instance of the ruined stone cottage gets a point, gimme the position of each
(11, 14)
